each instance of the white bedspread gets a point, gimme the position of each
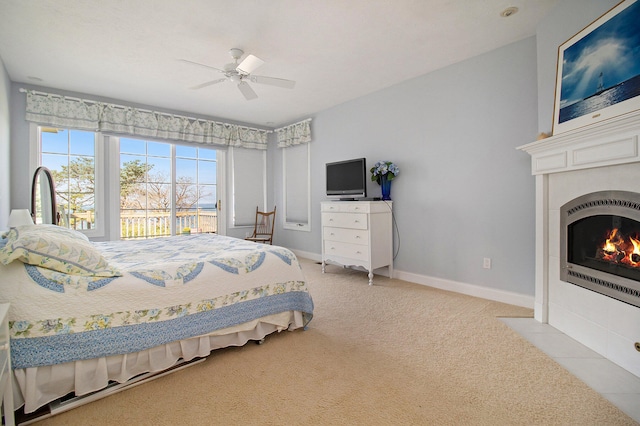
(172, 289)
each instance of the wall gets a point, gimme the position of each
(5, 149)
(464, 192)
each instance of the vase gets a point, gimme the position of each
(385, 184)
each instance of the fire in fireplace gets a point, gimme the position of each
(600, 244)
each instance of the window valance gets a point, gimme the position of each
(294, 134)
(61, 111)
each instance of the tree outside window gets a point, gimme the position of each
(152, 176)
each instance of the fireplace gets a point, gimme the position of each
(600, 244)
(597, 306)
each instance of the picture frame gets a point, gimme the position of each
(598, 70)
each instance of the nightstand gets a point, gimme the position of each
(6, 382)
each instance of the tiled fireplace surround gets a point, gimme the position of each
(599, 157)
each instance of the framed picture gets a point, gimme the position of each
(598, 75)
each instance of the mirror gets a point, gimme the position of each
(43, 197)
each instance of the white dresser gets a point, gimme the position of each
(6, 381)
(358, 233)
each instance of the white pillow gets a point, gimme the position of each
(57, 248)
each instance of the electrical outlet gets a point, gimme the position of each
(486, 263)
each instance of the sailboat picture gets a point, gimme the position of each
(599, 70)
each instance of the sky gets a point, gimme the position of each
(612, 49)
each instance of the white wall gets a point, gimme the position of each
(5, 150)
(464, 192)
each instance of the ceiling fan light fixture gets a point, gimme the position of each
(236, 53)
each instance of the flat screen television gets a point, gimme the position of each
(347, 180)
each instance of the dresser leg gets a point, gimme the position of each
(370, 277)
(323, 266)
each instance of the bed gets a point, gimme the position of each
(85, 315)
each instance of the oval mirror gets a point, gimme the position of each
(43, 197)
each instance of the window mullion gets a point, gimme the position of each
(174, 218)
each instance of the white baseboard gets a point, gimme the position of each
(474, 290)
(308, 255)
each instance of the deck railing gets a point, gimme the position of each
(136, 224)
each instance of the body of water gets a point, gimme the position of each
(611, 96)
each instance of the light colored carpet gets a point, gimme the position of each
(395, 353)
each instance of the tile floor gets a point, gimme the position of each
(614, 383)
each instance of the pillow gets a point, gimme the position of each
(57, 248)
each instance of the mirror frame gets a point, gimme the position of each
(43, 171)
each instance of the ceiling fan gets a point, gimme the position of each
(240, 73)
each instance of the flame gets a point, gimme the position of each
(618, 249)
(609, 244)
(634, 257)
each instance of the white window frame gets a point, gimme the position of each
(287, 177)
(35, 149)
(114, 184)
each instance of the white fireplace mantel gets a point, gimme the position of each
(614, 141)
(601, 156)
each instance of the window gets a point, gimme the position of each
(149, 189)
(296, 187)
(73, 156)
(166, 189)
(248, 183)
(196, 189)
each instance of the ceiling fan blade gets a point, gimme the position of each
(208, 83)
(202, 65)
(280, 82)
(247, 91)
(249, 64)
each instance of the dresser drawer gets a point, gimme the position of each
(347, 250)
(354, 236)
(349, 207)
(345, 220)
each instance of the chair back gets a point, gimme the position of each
(263, 228)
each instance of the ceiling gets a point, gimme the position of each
(335, 50)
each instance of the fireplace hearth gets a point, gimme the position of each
(600, 244)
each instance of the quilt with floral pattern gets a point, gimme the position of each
(170, 289)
